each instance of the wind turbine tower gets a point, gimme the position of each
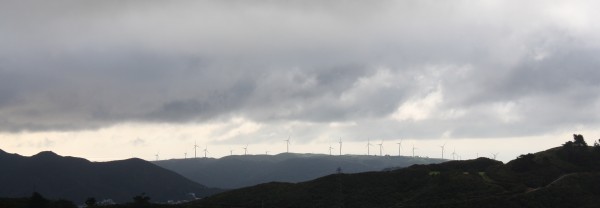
(195, 147)
(185, 155)
(454, 154)
(413, 150)
(330, 148)
(380, 148)
(287, 145)
(369, 146)
(495, 155)
(399, 147)
(443, 146)
(340, 146)
(205, 151)
(156, 156)
(245, 149)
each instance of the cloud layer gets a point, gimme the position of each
(421, 69)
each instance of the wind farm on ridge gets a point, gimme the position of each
(416, 149)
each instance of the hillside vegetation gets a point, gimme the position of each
(76, 179)
(566, 176)
(247, 170)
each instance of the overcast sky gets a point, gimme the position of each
(116, 79)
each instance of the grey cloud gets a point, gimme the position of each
(76, 65)
(556, 92)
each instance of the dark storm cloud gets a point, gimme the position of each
(465, 69)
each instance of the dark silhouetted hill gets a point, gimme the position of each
(76, 179)
(566, 176)
(246, 170)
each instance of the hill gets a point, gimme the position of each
(566, 176)
(247, 170)
(76, 179)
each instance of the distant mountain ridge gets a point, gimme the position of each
(75, 179)
(246, 170)
(566, 176)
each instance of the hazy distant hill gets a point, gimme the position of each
(567, 176)
(76, 179)
(246, 170)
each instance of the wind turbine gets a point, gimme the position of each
(368, 146)
(340, 146)
(454, 154)
(399, 147)
(157, 156)
(330, 148)
(267, 152)
(185, 155)
(495, 155)
(443, 146)
(230, 152)
(287, 145)
(380, 148)
(413, 150)
(205, 151)
(245, 149)
(195, 147)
